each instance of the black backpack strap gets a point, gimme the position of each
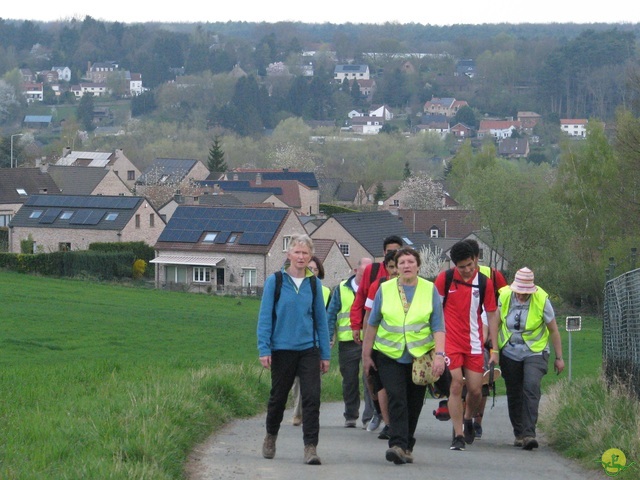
(276, 297)
(448, 278)
(314, 291)
(375, 268)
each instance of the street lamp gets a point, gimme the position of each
(14, 135)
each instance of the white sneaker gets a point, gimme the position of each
(374, 423)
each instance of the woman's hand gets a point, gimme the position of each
(558, 366)
(437, 367)
(266, 361)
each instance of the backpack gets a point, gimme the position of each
(375, 268)
(276, 297)
(448, 279)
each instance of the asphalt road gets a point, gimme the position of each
(354, 454)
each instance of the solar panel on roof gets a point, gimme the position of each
(80, 217)
(94, 217)
(222, 237)
(50, 215)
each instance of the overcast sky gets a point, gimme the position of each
(334, 11)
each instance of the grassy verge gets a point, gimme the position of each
(585, 419)
(107, 381)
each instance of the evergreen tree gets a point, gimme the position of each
(215, 162)
(84, 112)
(380, 193)
(407, 171)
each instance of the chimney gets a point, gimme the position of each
(258, 178)
(66, 151)
(44, 167)
(235, 177)
(178, 197)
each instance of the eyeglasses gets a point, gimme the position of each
(516, 325)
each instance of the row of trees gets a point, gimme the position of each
(565, 222)
(571, 71)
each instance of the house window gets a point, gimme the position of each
(481, 254)
(286, 240)
(209, 237)
(396, 203)
(131, 175)
(344, 248)
(201, 274)
(4, 220)
(66, 215)
(64, 247)
(176, 274)
(137, 220)
(152, 219)
(35, 214)
(249, 277)
(111, 217)
(22, 192)
(433, 233)
(233, 238)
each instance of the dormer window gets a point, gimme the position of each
(434, 233)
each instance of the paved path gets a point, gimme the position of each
(354, 454)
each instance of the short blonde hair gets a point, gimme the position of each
(301, 239)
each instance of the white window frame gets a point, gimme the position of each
(286, 241)
(345, 248)
(249, 277)
(202, 274)
(433, 233)
(210, 237)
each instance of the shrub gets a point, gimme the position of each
(139, 267)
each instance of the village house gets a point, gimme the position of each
(116, 161)
(72, 222)
(574, 127)
(361, 234)
(444, 106)
(351, 72)
(87, 181)
(17, 184)
(222, 249)
(498, 129)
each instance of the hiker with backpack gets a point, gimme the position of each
(293, 340)
(464, 293)
(316, 267)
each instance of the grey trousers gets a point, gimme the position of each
(523, 380)
(350, 358)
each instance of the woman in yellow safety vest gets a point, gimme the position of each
(527, 323)
(405, 322)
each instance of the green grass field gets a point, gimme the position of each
(107, 381)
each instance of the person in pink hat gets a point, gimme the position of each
(525, 328)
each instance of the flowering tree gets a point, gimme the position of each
(421, 192)
(289, 155)
(431, 261)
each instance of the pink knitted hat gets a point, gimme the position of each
(523, 282)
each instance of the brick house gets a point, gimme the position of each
(72, 222)
(17, 184)
(223, 249)
(87, 181)
(361, 234)
(308, 188)
(116, 161)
